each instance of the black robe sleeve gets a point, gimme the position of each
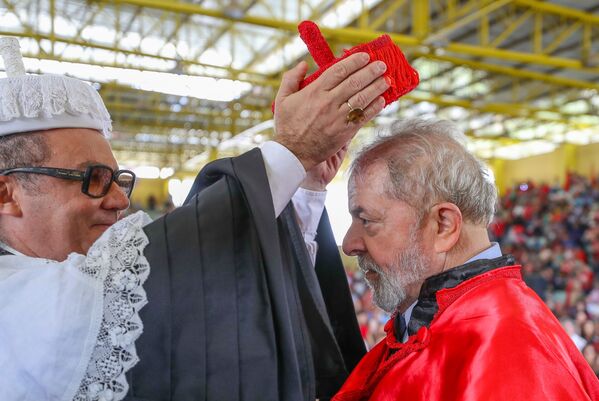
(233, 313)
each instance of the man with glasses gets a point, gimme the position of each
(235, 307)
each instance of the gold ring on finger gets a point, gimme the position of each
(355, 115)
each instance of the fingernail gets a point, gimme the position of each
(387, 81)
(364, 57)
(381, 67)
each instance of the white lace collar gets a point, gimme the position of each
(68, 329)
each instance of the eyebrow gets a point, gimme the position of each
(355, 212)
(88, 163)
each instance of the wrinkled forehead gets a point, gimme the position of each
(371, 179)
(77, 147)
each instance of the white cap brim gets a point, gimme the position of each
(23, 124)
(42, 102)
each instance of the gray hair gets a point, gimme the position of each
(24, 150)
(428, 163)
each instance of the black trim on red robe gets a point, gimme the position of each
(235, 309)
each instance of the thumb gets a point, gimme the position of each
(291, 80)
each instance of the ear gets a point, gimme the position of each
(447, 225)
(9, 190)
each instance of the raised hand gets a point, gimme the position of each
(313, 122)
(319, 176)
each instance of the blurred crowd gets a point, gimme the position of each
(553, 232)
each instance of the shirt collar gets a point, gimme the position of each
(492, 252)
(407, 315)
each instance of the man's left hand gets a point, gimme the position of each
(319, 176)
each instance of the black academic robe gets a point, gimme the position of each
(235, 310)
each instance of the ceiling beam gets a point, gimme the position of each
(356, 35)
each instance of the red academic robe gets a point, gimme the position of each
(491, 339)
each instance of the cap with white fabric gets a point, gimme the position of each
(40, 102)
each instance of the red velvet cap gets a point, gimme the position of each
(401, 76)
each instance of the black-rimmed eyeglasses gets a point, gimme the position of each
(96, 178)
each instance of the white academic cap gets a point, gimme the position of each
(40, 102)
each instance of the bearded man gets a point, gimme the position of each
(236, 309)
(465, 326)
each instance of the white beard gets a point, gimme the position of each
(391, 284)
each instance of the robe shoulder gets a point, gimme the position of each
(219, 323)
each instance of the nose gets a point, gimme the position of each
(115, 199)
(352, 242)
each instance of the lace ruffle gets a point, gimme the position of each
(33, 96)
(118, 262)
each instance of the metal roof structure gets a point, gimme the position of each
(186, 81)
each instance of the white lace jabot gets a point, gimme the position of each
(68, 329)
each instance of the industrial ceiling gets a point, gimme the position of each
(188, 81)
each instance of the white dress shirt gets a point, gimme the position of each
(285, 174)
(309, 206)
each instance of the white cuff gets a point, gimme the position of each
(284, 171)
(309, 206)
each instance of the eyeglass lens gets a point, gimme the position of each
(100, 179)
(125, 180)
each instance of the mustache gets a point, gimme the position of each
(365, 263)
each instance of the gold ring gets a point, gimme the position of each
(355, 114)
